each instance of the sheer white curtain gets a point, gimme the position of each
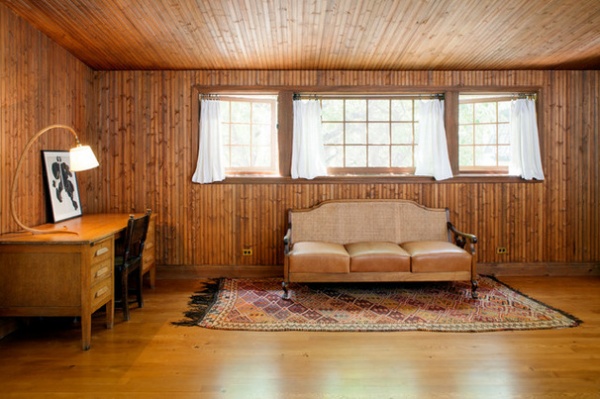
(308, 153)
(525, 159)
(431, 158)
(210, 166)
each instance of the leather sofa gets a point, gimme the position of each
(376, 241)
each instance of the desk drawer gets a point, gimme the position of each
(102, 251)
(101, 293)
(101, 270)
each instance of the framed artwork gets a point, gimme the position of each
(61, 186)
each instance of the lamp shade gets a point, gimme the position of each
(82, 158)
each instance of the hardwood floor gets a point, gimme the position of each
(151, 358)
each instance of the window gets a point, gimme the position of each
(370, 135)
(249, 133)
(484, 133)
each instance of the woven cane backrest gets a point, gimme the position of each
(347, 221)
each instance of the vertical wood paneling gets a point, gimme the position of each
(40, 84)
(536, 222)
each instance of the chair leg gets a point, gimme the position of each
(124, 301)
(140, 283)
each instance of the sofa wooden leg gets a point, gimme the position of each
(474, 286)
(286, 293)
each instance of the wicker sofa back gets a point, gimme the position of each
(348, 221)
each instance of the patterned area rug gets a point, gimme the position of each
(256, 305)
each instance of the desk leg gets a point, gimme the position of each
(86, 324)
(86, 330)
(110, 314)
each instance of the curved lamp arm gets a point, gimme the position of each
(89, 156)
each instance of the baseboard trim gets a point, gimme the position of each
(496, 269)
(216, 271)
(540, 269)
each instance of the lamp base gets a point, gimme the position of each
(39, 232)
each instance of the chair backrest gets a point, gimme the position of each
(135, 237)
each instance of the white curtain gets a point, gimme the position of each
(525, 159)
(308, 153)
(210, 167)
(432, 151)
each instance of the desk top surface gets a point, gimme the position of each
(90, 228)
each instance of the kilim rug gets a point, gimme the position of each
(256, 305)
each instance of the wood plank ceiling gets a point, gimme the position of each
(322, 34)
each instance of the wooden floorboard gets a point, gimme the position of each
(151, 358)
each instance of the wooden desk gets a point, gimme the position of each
(62, 274)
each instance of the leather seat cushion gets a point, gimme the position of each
(437, 256)
(378, 257)
(319, 257)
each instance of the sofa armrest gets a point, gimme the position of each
(286, 241)
(461, 238)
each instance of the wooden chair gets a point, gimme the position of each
(128, 260)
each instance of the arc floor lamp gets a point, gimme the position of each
(81, 158)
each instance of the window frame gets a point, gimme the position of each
(285, 125)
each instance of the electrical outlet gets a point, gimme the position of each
(501, 250)
(247, 252)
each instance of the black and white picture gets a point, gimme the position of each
(62, 189)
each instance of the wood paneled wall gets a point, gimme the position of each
(150, 149)
(40, 84)
(140, 125)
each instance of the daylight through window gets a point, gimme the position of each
(370, 135)
(249, 133)
(484, 133)
(365, 134)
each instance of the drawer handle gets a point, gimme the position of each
(102, 272)
(101, 251)
(101, 292)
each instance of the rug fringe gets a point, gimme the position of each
(200, 303)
